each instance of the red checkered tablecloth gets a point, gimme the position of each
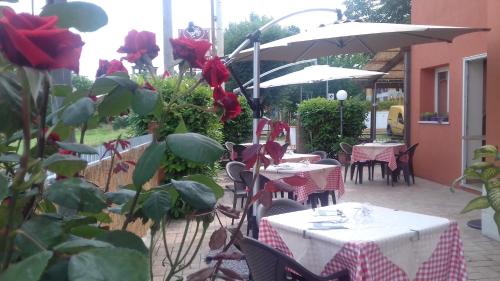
(377, 151)
(365, 260)
(319, 177)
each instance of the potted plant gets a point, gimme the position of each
(426, 116)
(489, 174)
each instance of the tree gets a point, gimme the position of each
(392, 11)
(235, 34)
(81, 82)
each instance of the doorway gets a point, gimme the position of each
(474, 113)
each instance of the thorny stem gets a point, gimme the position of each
(234, 235)
(179, 95)
(165, 244)
(113, 154)
(26, 113)
(83, 131)
(195, 251)
(191, 243)
(184, 236)
(43, 116)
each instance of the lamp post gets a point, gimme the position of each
(341, 96)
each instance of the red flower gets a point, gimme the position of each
(166, 74)
(109, 67)
(215, 72)
(52, 138)
(138, 44)
(228, 102)
(192, 51)
(36, 42)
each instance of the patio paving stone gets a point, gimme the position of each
(482, 253)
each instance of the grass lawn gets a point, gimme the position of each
(101, 134)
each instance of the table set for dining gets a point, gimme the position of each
(373, 243)
(377, 151)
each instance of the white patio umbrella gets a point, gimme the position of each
(318, 73)
(353, 37)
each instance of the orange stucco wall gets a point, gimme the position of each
(439, 155)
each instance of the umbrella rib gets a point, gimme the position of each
(305, 51)
(427, 37)
(365, 45)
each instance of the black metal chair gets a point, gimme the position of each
(322, 154)
(411, 151)
(268, 264)
(233, 170)
(238, 150)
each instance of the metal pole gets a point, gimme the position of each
(219, 30)
(256, 117)
(212, 28)
(168, 59)
(407, 96)
(373, 114)
(341, 118)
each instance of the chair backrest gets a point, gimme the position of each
(229, 145)
(411, 151)
(247, 177)
(238, 149)
(279, 206)
(347, 148)
(329, 161)
(233, 170)
(322, 154)
(284, 147)
(268, 264)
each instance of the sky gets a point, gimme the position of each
(125, 15)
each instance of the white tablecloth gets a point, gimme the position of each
(404, 239)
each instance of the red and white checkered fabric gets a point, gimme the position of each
(366, 262)
(296, 159)
(334, 181)
(362, 154)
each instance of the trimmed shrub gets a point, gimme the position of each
(196, 119)
(239, 130)
(320, 121)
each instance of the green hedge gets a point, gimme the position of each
(196, 120)
(320, 121)
(385, 105)
(239, 130)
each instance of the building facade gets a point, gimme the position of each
(455, 88)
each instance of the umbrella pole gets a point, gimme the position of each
(256, 117)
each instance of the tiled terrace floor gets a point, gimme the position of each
(482, 253)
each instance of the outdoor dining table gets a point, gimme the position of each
(377, 151)
(319, 177)
(373, 243)
(289, 157)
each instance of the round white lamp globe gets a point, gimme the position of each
(341, 95)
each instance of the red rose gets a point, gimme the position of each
(228, 102)
(215, 72)
(192, 51)
(138, 44)
(52, 138)
(109, 67)
(36, 42)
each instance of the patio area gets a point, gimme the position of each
(426, 197)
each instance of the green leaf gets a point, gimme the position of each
(34, 78)
(181, 128)
(494, 198)
(10, 106)
(115, 102)
(78, 221)
(485, 151)
(100, 217)
(496, 217)
(489, 173)
(61, 90)
(120, 197)
(157, 205)
(4, 186)
(87, 231)
(77, 194)
(149, 162)
(217, 189)
(195, 147)
(78, 112)
(124, 239)
(10, 157)
(85, 17)
(480, 202)
(78, 148)
(80, 244)
(197, 195)
(46, 231)
(65, 165)
(29, 269)
(111, 264)
(144, 101)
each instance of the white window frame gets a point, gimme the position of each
(436, 75)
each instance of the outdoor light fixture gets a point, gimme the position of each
(341, 96)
